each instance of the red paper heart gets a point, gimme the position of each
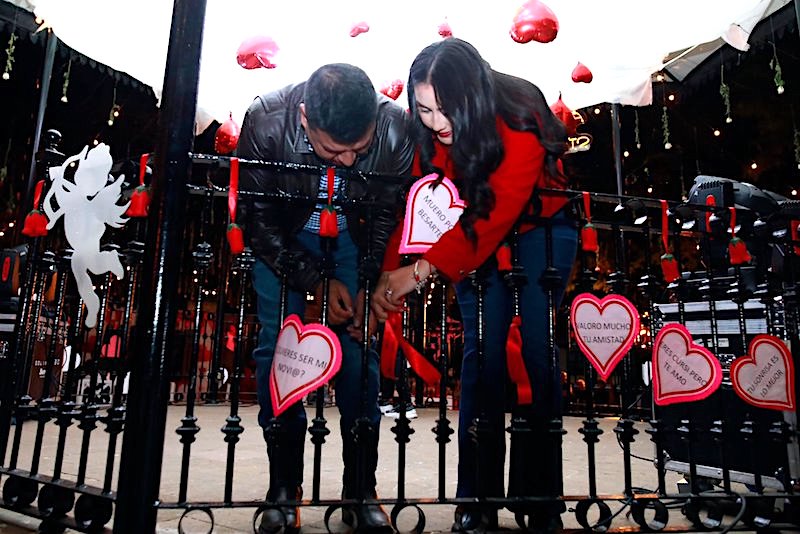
(605, 329)
(359, 28)
(764, 377)
(582, 74)
(305, 358)
(534, 21)
(256, 52)
(393, 89)
(682, 370)
(571, 119)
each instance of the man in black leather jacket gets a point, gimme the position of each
(335, 119)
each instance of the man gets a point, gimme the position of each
(334, 119)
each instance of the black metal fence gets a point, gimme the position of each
(179, 328)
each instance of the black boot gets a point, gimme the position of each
(284, 519)
(362, 460)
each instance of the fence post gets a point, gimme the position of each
(143, 444)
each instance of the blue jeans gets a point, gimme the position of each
(484, 391)
(349, 390)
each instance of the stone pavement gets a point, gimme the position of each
(206, 481)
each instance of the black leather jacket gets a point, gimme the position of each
(271, 131)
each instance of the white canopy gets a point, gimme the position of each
(623, 42)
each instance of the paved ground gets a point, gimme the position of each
(207, 471)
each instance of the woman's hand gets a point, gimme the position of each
(393, 286)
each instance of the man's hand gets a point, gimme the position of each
(358, 319)
(340, 303)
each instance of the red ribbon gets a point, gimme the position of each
(503, 256)
(669, 265)
(37, 194)
(588, 232)
(328, 225)
(392, 340)
(143, 167)
(737, 250)
(516, 364)
(710, 201)
(233, 189)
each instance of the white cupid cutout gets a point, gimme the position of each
(88, 204)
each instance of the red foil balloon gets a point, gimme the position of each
(359, 28)
(227, 137)
(534, 21)
(444, 30)
(393, 89)
(582, 74)
(257, 52)
(567, 116)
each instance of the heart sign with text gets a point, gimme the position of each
(604, 328)
(764, 377)
(306, 356)
(430, 212)
(682, 370)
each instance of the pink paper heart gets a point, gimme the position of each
(257, 52)
(582, 74)
(764, 377)
(682, 370)
(429, 214)
(305, 358)
(605, 329)
(359, 28)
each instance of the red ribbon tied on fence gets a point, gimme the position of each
(140, 198)
(234, 233)
(36, 221)
(516, 364)
(328, 226)
(669, 265)
(588, 232)
(737, 250)
(392, 340)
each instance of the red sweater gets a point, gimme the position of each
(513, 182)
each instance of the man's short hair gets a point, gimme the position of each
(341, 101)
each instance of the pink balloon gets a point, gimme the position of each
(581, 73)
(444, 30)
(534, 21)
(359, 28)
(227, 137)
(393, 89)
(256, 52)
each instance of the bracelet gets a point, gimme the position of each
(418, 279)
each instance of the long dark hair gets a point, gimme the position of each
(472, 95)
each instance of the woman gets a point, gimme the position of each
(496, 138)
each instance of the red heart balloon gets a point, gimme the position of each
(393, 89)
(444, 30)
(256, 52)
(581, 73)
(534, 21)
(227, 137)
(359, 28)
(571, 119)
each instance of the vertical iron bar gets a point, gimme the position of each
(442, 428)
(233, 427)
(140, 475)
(318, 429)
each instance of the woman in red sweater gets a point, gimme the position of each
(495, 136)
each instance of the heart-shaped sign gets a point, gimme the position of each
(764, 377)
(305, 358)
(682, 370)
(604, 328)
(430, 212)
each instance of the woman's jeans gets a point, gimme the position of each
(350, 393)
(483, 386)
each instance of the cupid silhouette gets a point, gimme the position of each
(88, 203)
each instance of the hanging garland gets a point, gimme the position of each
(725, 91)
(636, 128)
(65, 85)
(10, 56)
(776, 66)
(797, 147)
(665, 127)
